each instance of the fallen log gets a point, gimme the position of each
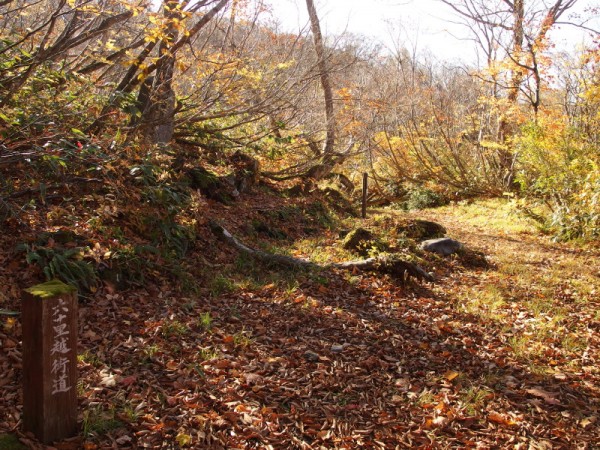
(391, 265)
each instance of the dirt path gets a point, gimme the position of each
(498, 357)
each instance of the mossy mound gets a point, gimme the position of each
(221, 189)
(421, 229)
(362, 241)
(357, 239)
(338, 202)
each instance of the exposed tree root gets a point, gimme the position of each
(392, 265)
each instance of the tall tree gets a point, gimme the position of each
(159, 117)
(328, 154)
(525, 25)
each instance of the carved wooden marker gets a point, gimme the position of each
(49, 316)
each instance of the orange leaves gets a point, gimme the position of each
(331, 360)
(501, 419)
(345, 94)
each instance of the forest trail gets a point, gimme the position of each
(497, 357)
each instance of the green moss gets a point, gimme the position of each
(203, 179)
(355, 238)
(10, 442)
(50, 289)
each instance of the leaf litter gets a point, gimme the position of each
(334, 364)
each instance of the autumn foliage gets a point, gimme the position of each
(128, 126)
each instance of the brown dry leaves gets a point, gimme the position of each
(337, 363)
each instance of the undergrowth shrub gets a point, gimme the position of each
(168, 200)
(560, 170)
(420, 197)
(65, 264)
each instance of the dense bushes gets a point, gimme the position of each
(559, 170)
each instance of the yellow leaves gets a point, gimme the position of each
(182, 66)
(285, 65)
(183, 439)
(110, 45)
(249, 74)
(90, 8)
(9, 324)
(135, 9)
(164, 27)
(451, 375)
(493, 145)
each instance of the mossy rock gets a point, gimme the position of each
(361, 241)
(221, 189)
(473, 259)
(421, 229)
(203, 179)
(354, 238)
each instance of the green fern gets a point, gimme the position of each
(65, 264)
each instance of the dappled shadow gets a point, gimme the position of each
(339, 360)
(364, 363)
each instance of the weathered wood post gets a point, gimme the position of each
(364, 194)
(49, 317)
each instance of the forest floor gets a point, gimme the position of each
(498, 356)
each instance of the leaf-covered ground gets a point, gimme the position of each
(504, 356)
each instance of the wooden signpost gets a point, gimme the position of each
(49, 317)
(365, 191)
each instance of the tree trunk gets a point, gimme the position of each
(328, 159)
(159, 118)
(506, 129)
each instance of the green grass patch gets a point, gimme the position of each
(174, 328)
(10, 442)
(97, 421)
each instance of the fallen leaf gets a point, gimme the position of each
(172, 365)
(588, 421)
(223, 364)
(123, 440)
(107, 378)
(183, 439)
(451, 375)
(548, 397)
(500, 419)
(128, 381)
